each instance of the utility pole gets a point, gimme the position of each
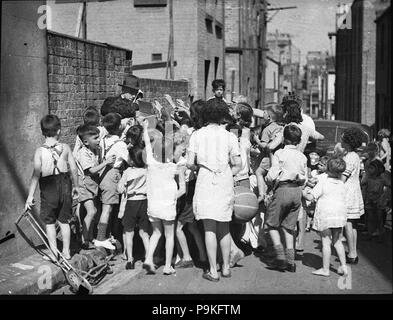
(171, 42)
(84, 18)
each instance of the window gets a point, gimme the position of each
(209, 23)
(156, 57)
(207, 67)
(150, 3)
(216, 61)
(218, 32)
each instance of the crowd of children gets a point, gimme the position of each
(162, 173)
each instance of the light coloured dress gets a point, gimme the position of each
(214, 192)
(161, 188)
(353, 193)
(331, 209)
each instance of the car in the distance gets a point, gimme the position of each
(332, 131)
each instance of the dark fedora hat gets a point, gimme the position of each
(131, 85)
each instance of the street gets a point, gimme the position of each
(373, 275)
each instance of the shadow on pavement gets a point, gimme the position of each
(312, 260)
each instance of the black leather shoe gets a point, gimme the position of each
(277, 264)
(291, 267)
(352, 260)
(130, 265)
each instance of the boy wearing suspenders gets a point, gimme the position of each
(51, 162)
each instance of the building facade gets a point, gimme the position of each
(315, 84)
(143, 26)
(383, 79)
(356, 62)
(282, 49)
(245, 28)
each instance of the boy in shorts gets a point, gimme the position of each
(288, 173)
(51, 162)
(87, 159)
(110, 144)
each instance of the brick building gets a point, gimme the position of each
(143, 27)
(383, 79)
(245, 27)
(315, 83)
(356, 62)
(282, 49)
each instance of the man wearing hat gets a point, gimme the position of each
(125, 103)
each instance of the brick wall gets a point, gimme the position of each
(145, 30)
(81, 74)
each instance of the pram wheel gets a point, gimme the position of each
(78, 285)
(73, 280)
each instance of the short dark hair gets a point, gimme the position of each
(244, 110)
(378, 165)
(87, 130)
(112, 123)
(134, 135)
(336, 166)
(324, 160)
(292, 111)
(196, 113)
(136, 156)
(124, 107)
(353, 137)
(233, 127)
(218, 83)
(50, 124)
(292, 134)
(91, 116)
(214, 111)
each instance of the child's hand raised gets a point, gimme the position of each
(111, 160)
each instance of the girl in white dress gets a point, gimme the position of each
(216, 152)
(330, 214)
(350, 141)
(162, 194)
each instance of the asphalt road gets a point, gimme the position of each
(373, 275)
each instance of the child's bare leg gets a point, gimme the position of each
(338, 245)
(211, 245)
(225, 244)
(51, 234)
(129, 235)
(198, 240)
(351, 239)
(235, 253)
(124, 256)
(90, 214)
(145, 239)
(155, 237)
(182, 241)
(326, 253)
(169, 229)
(302, 230)
(103, 224)
(66, 235)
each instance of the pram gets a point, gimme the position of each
(81, 282)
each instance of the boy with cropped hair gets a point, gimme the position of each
(88, 161)
(51, 162)
(111, 145)
(287, 173)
